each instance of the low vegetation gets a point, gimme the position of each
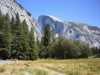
(52, 67)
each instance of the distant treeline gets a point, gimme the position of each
(18, 42)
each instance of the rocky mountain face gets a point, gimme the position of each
(13, 8)
(71, 30)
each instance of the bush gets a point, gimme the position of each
(3, 53)
(63, 48)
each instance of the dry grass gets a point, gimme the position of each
(52, 67)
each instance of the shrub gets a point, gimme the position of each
(63, 48)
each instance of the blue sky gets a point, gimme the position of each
(86, 11)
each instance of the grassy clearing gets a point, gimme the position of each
(52, 67)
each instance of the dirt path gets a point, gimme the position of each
(6, 62)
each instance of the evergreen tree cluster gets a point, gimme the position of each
(18, 42)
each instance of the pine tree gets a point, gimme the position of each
(33, 45)
(5, 33)
(46, 40)
(25, 40)
(46, 36)
(17, 31)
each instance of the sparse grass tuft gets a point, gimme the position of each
(2, 70)
(40, 72)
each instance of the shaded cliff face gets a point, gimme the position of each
(71, 30)
(12, 8)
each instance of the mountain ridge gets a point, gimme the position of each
(72, 30)
(69, 30)
(12, 8)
